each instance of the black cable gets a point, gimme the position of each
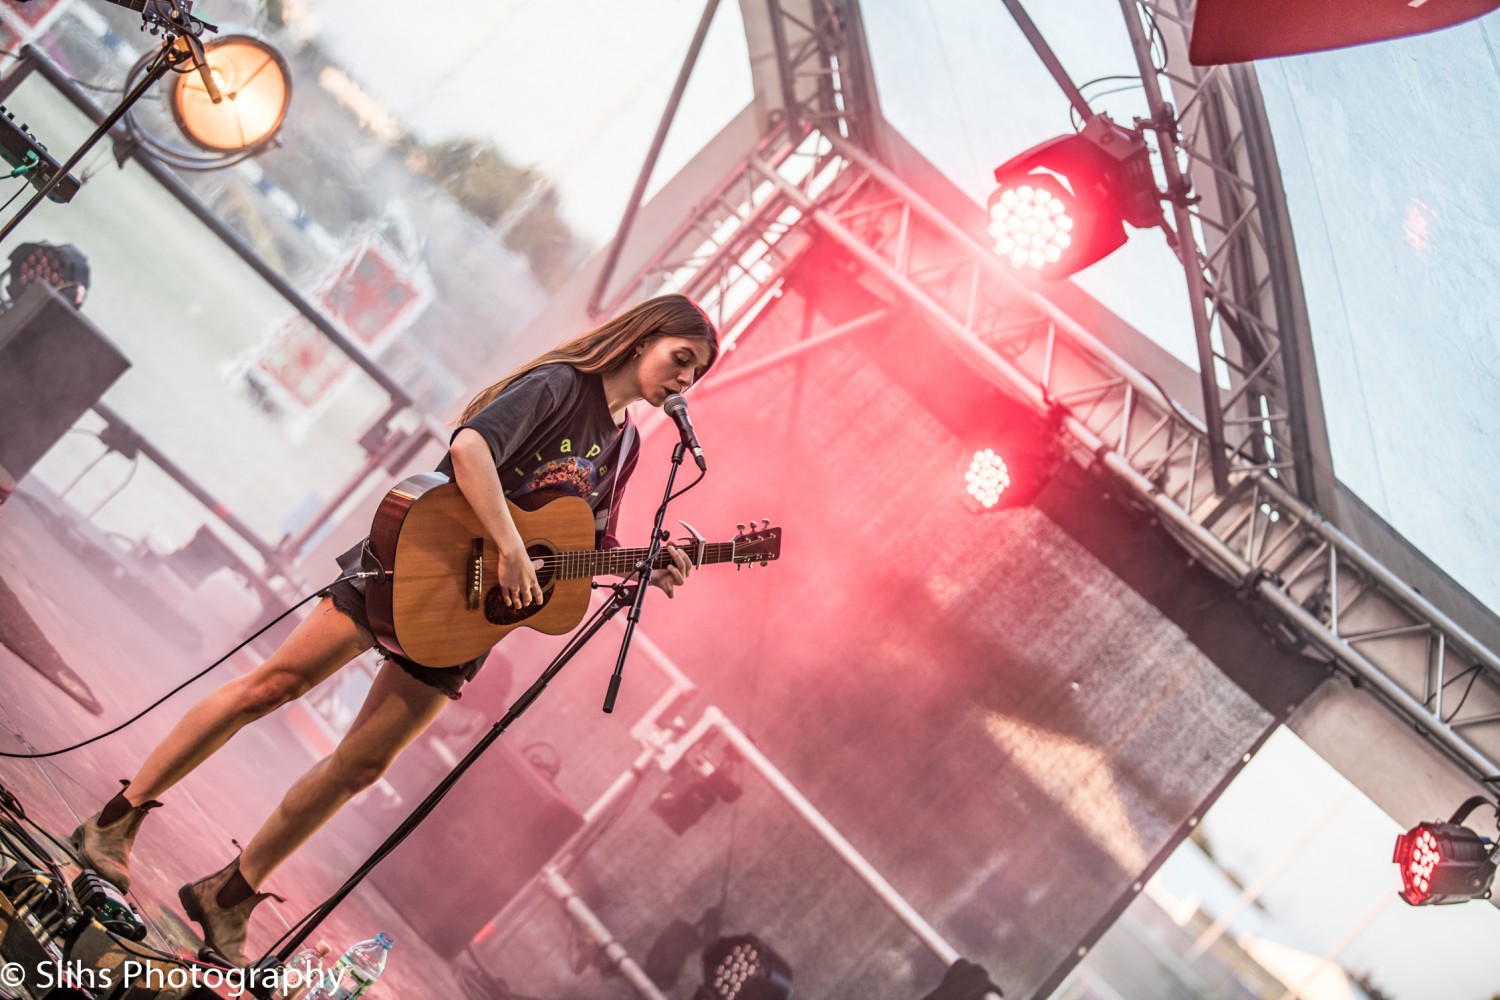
(1473, 673)
(1135, 77)
(1073, 118)
(13, 197)
(139, 715)
(1157, 38)
(61, 845)
(12, 832)
(695, 482)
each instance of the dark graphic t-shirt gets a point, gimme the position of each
(551, 430)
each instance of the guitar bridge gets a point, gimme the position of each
(476, 574)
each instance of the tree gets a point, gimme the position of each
(517, 201)
(1366, 982)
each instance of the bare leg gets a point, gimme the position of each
(325, 641)
(396, 711)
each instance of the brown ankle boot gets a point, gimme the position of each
(106, 849)
(224, 927)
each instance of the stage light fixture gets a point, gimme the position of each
(1063, 204)
(256, 87)
(987, 479)
(1008, 465)
(697, 783)
(965, 980)
(1445, 862)
(63, 267)
(744, 968)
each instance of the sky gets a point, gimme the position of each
(575, 93)
(1341, 874)
(1388, 160)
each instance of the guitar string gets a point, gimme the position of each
(577, 563)
(580, 562)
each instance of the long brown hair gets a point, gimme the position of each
(607, 347)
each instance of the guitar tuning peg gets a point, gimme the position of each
(739, 528)
(765, 522)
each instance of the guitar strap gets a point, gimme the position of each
(627, 441)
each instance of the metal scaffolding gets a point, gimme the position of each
(1233, 237)
(1321, 591)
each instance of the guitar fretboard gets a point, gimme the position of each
(622, 562)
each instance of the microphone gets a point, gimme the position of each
(676, 408)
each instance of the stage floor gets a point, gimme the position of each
(78, 631)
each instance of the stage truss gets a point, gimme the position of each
(1234, 240)
(1321, 591)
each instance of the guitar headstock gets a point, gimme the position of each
(754, 545)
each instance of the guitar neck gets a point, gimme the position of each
(622, 562)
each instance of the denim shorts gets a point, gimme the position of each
(350, 600)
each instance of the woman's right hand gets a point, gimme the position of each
(474, 472)
(517, 573)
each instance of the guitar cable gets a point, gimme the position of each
(363, 575)
(158, 702)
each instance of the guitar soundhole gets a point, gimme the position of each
(495, 610)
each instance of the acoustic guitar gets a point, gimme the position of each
(438, 602)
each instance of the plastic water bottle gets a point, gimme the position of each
(354, 974)
(304, 973)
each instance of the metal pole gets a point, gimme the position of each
(1337, 948)
(786, 354)
(174, 186)
(632, 207)
(589, 922)
(187, 482)
(1276, 231)
(1049, 58)
(394, 452)
(925, 932)
(1165, 125)
(846, 851)
(165, 60)
(1273, 871)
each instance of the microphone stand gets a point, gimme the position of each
(180, 43)
(643, 569)
(621, 594)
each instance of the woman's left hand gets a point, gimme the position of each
(670, 577)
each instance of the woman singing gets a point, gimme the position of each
(557, 422)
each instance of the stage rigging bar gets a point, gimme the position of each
(1258, 536)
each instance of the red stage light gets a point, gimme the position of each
(1063, 204)
(988, 477)
(1032, 224)
(1444, 863)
